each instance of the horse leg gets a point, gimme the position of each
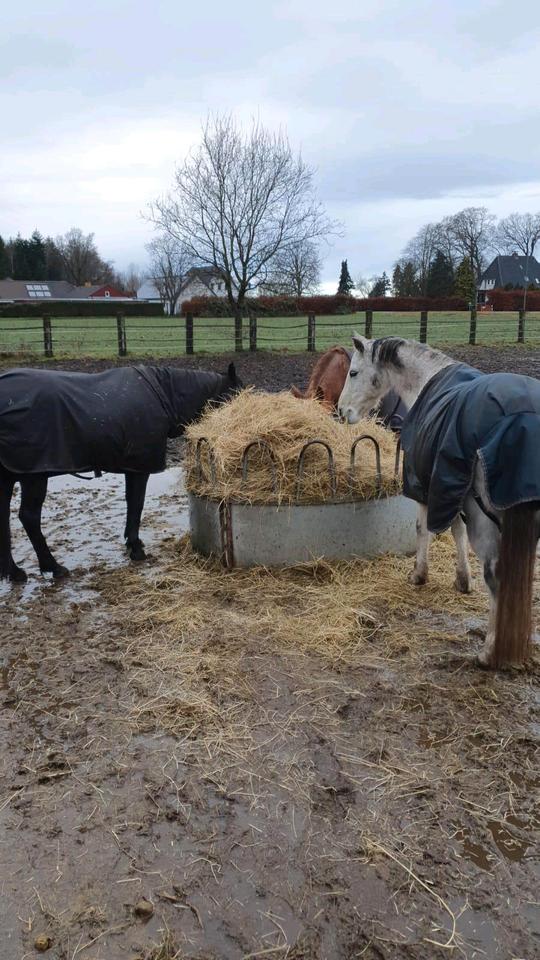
(485, 540)
(8, 568)
(423, 541)
(33, 493)
(463, 570)
(135, 494)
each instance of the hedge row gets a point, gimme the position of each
(301, 306)
(513, 299)
(86, 308)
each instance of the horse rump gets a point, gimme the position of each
(517, 555)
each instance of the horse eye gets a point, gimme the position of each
(353, 373)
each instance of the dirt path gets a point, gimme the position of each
(160, 742)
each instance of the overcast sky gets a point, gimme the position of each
(408, 109)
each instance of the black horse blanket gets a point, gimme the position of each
(119, 420)
(462, 414)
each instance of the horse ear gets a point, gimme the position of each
(231, 373)
(359, 342)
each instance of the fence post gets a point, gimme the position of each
(311, 332)
(238, 333)
(189, 333)
(47, 336)
(368, 332)
(252, 333)
(472, 327)
(423, 326)
(121, 331)
(521, 326)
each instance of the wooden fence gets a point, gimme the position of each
(178, 335)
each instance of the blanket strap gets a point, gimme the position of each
(80, 476)
(491, 516)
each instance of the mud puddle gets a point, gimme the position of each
(83, 522)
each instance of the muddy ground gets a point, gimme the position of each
(386, 806)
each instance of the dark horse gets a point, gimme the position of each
(53, 423)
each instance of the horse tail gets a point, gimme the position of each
(297, 393)
(517, 555)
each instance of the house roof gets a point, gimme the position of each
(35, 289)
(512, 269)
(30, 290)
(206, 273)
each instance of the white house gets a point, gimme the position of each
(199, 282)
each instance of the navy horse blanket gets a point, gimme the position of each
(461, 415)
(117, 421)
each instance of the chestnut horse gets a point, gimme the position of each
(327, 378)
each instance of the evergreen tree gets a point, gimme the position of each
(397, 281)
(410, 285)
(465, 281)
(5, 262)
(53, 260)
(440, 281)
(345, 281)
(36, 256)
(381, 286)
(21, 264)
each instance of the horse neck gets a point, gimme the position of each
(188, 397)
(419, 365)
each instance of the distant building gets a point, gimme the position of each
(515, 271)
(199, 282)
(30, 291)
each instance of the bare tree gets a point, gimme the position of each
(518, 232)
(363, 285)
(420, 251)
(81, 261)
(295, 270)
(472, 234)
(238, 199)
(132, 278)
(169, 264)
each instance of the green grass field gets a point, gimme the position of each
(165, 336)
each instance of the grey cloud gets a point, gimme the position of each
(392, 102)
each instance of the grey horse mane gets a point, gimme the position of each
(386, 352)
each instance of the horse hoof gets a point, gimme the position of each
(462, 584)
(418, 579)
(60, 572)
(14, 573)
(137, 555)
(483, 661)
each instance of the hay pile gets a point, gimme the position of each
(285, 424)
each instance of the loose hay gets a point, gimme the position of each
(337, 696)
(345, 613)
(285, 424)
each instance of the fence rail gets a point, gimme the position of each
(172, 336)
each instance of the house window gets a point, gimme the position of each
(107, 293)
(38, 290)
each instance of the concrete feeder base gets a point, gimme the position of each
(270, 535)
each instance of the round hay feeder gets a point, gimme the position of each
(288, 533)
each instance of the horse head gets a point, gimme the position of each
(369, 377)
(230, 385)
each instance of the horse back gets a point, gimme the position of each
(55, 421)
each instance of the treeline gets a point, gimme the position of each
(73, 257)
(447, 258)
